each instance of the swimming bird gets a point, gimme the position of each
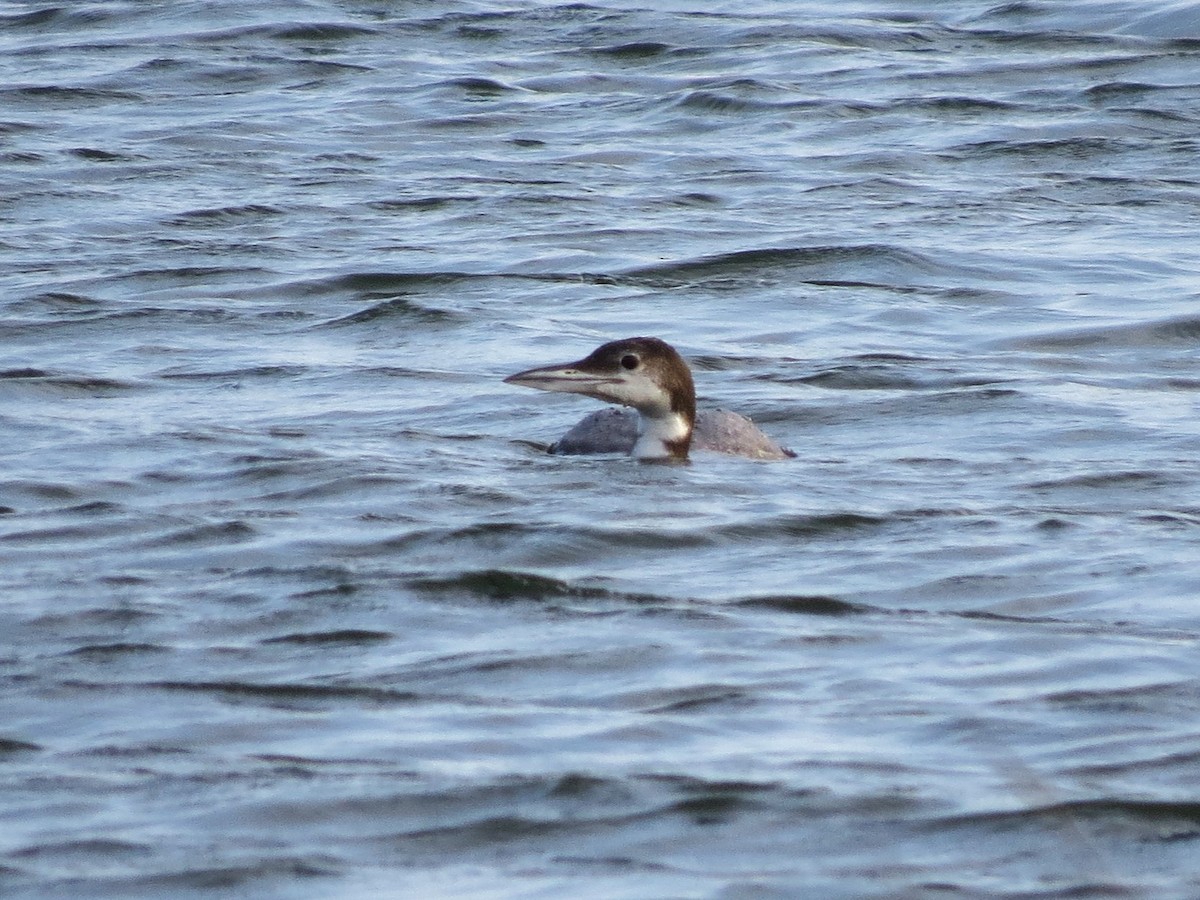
(647, 374)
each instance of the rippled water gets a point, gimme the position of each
(296, 605)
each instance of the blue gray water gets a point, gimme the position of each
(294, 603)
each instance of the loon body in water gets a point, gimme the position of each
(647, 374)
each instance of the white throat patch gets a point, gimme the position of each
(655, 433)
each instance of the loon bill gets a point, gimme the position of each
(645, 373)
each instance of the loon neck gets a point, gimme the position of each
(665, 428)
(666, 436)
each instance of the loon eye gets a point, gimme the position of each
(629, 361)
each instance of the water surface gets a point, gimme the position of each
(295, 603)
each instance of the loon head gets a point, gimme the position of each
(643, 372)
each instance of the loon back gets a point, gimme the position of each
(719, 430)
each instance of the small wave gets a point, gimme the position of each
(342, 487)
(61, 95)
(35, 19)
(807, 605)
(91, 385)
(877, 35)
(712, 101)
(320, 31)
(489, 538)
(167, 282)
(389, 295)
(226, 214)
(220, 533)
(421, 204)
(352, 636)
(396, 307)
(227, 374)
(1107, 480)
(691, 698)
(486, 537)
(276, 692)
(1182, 519)
(1151, 819)
(101, 617)
(363, 282)
(519, 808)
(41, 491)
(10, 127)
(57, 302)
(251, 878)
(908, 374)
(24, 374)
(95, 154)
(21, 157)
(13, 745)
(1181, 330)
(484, 123)
(954, 104)
(81, 849)
(1143, 698)
(296, 32)
(503, 585)
(860, 265)
(1121, 90)
(480, 87)
(1046, 150)
(634, 50)
(792, 526)
(106, 651)
(68, 534)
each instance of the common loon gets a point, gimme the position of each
(647, 374)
